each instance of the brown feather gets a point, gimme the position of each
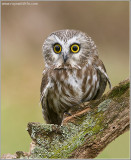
(82, 77)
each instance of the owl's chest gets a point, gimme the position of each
(72, 83)
(67, 83)
(65, 90)
(71, 87)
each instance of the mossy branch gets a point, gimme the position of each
(87, 132)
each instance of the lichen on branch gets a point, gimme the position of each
(87, 132)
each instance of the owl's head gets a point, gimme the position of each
(66, 48)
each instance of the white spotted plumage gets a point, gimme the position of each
(82, 77)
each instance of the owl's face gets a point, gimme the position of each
(66, 48)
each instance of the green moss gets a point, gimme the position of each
(55, 141)
(118, 91)
(50, 144)
(72, 136)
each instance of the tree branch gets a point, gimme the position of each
(87, 132)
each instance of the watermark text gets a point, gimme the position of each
(19, 3)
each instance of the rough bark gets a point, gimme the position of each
(87, 132)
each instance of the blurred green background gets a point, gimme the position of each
(24, 29)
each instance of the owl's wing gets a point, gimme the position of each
(43, 97)
(103, 78)
(49, 115)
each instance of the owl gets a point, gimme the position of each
(73, 73)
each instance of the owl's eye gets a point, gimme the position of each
(57, 48)
(75, 48)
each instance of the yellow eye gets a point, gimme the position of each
(57, 48)
(75, 48)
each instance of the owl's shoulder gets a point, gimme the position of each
(99, 66)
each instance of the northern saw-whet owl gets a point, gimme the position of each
(73, 73)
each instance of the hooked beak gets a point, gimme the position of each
(65, 57)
